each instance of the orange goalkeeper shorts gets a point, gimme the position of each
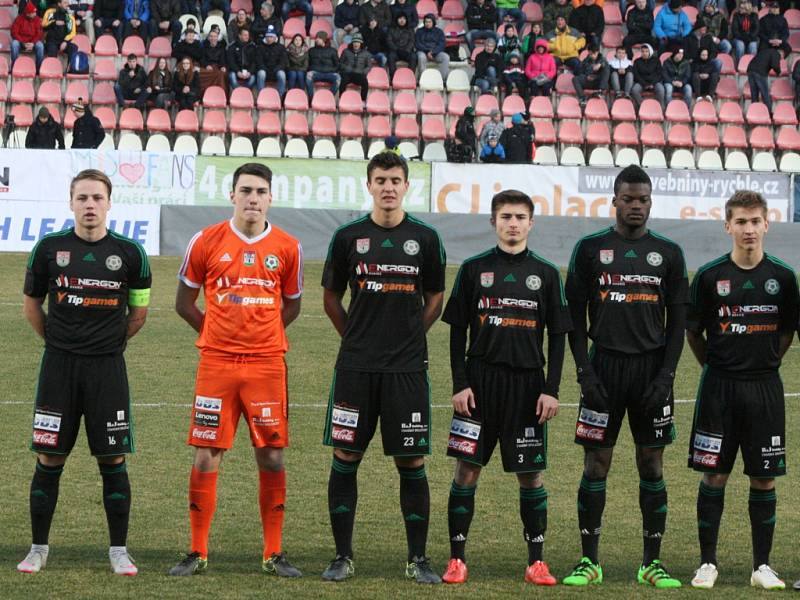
(229, 387)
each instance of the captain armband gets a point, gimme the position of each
(139, 298)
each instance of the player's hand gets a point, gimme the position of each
(463, 401)
(593, 393)
(659, 391)
(546, 408)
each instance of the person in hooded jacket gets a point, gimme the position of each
(354, 65)
(517, 141)
(488, 67)
(773, 29)
(493, 151)
(465, 138)
(44, 132)
(402, 44)
(540, 69)
(494, 127)
(551, 12)
(408, 8)
(639, 22)
(375, 43)
(744, 30)
(677, 77)
(712, 26)
(704, 76)
(272, 62)
(647, 76)
(87, 131)
(429, 41)
(374, 9)
(672, 28)
(509, 41)
(621, 78)
(514, 76)
(27, 34)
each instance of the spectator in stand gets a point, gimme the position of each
(304, 6)
(489, 66)
(773, 30)
(429, 41)
(588, 18)
(265, 18)
(401, 42)
(345, 21)
(159, 84)
(768, 58)
(621, 77)
(137, 19)
(272, 62)
(213, 63)
(481, 17)
(87, 131)
(242, 61)
(58, 24)
(509, 41)
(82, 11)
(514, 76)
(493, 151)
(796, 82)
(677, 77)
(465, 138)
(540, 69)
(551, 12)
(673, 29)
(297, 65)
(132, 83)
(566, 44)
(354, 65)
(624, 7)
(509, 9)
(207, 6)
(639, 22)
(647, 76)
(109, 16)
(190, 47)
(712, 27)
(517, 141)
(323, 64)
(239, 22)
(593, 75)
(27, 34)
(408, 9)
(744, 30)
(375, 43)
(529, 41)
(492, 128)
(375, 9)
(186, 85)
(164, 19)
(391, 143)
(705, 76)
(44, 133)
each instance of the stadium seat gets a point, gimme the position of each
(728, 67)
(514, 104)
(103, 94)
(322, 8)
(758, 114)
(781, 89)
(597, 134)
(106, 115)
(296, 100)
(323, 149)
(378, 127)
(485, 105)
(709, 159)
(323, 125)
(406, 128)
(728, 89)
(623, 110)
(4, 70)
(351, 150)
(680, 136)
(323, 102)
(734, 137)
(161, 46)
(790, 163)
(570, 133)
(269, 148)
(242, 99)
(186, 122)
(5, 41)
(214, 97)
(350, 102)
(704, 112)
(731, 112)
(452, 10)
(788, 139)
(569, 108)
(293, 26)
(213, 146)
(426, 6)
(214, 121)
(532, 12)
(433, 129)
(572, 157)
(596, 110)
(105, 69)
(458, 81)
(612, 14)
(761, 139)
(23, 115)
(612, 37)
(706, 137)
(158, 142)
(49, 92)
(431, 81)
(682, 159)
(241, 146)
(241, 123)
(296, 125)
(792, 16)
(351, 126)
(764, 161)
(653, 158)
(545, 155)
(268, 99)
(737, 161)
(24, 68)
(375, 147)
(545, 133)
(404, 79)
(434, 152)
(106, 45)
(130, 119)
(130, 142)
(625, 135)
(741, 68)
(784, 114)
(409, 150)
(296, 148)
(457, 102)
(601, 157)
(626, 157)
(378, 79)
(652, 135)
(432, 104)
(51, 69)
(564, 84)
(212, 20)
(405, 103)
(677, 112)
(650, 110)
(158, 120)
(318, 25)
(185, 144)
(133, 45)
(541, 107)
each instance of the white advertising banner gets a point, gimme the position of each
(22, 224)
(587, 191)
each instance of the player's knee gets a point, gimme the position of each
(347, 455)
(110, 460)
(52, 460)
(207, 459)
(649, 463)
(717, 480)
(269, 459)
(409, 462)
(466, 474)
(761, 483)
(530, 480)
(597, 462)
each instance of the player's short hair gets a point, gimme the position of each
(386, 161)
(631, 174)
(745, 199)
(511, 197)
(253, 168)
(90, 175)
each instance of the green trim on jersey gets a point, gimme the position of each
(414, 219)
(145, 270)
(571, 268)
(457, 282)
(338, 229)
(533, 254)
(699, 273)
(779, 262)
(664, 238)
(45, 237)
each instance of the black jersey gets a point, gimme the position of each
(388, 271)
(743, 312)
(88, 284)
(507, 301)
(627, 285)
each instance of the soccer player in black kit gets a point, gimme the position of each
(98, 287)
(634, 284)
(742, 317)
(394, 266)
(506, 297)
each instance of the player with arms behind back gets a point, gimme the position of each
(98, 285)
(505, 297)
(251, 273)
(634, 284)
(394, 266)
(741, 320)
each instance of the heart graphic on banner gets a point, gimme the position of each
(131, 172)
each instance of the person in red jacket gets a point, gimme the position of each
(27, 34)
(540, 69)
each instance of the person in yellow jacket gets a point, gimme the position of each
(566, 44)
(59, 26)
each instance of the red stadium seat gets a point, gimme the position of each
(3, 67)
(761, 138)
(564, 84)
(533, 12)
(513, 104)
(485, 105)
(743, 63)
(378, 103)
(758, 114)
(570, 132)
(781, 89)
(612, 37)
(49, 92)
(3, 94)
(597, 134)
(22, 92)
(704, 112)
(296, 125)
(351, 126)
(296, 99)
(541, 108)
(568, 108)
(133, 45)
(453, 10)
(350, 102)
(457, 102)
(318, 25)
(794, 41)
(677, 112)
(322, 8)
(324, 125)
(242, 98)
(268, 99)
(432, 104)
(691, 12)
(5, 41)
(105, 69)
(404, 79)
(269, 124)
(784, 114)
(51, 69)
(650, 110)
(706, 136)
(734, 137)
(214, 121)
(625, 135)
(728, 67)
(378, 127)
(294, 26)
(103, 94)
(653, 134)
(323, 101)
(680, 136)
(433, 129)
(246, 5)
(378, 79)
(597, 110)
(731, 112)
(158, 120)
(728, 89)
(23, 115)
(186, 122)
(241, 122)
(106, 45)
(83, 43)
(5, 20)
(130, 119)
(106, 115)
(792, 17)
(623, 110)
(788, 139)
(454, 34)
(77, 90)
(214, 97)
(24, 68)
(545, 133)
(406, 128)
(405, 103)
(612, 14)
(160, 47)
(426, 6)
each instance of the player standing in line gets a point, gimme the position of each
(506, 297)
(746, 303)
(634, 284)
(98, 284)
(394, 266)
(251, 273)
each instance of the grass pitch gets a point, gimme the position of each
(161, 363)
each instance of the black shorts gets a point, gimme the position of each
(93, 386)
(733, 413)
(401, 400)
(505, 410)
(626, 377)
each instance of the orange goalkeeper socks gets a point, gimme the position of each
(271, 500)
(202, 504)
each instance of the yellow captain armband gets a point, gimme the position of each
(139, 298)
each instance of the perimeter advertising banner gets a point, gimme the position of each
(587, 191)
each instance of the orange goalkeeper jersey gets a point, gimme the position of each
(244, 281)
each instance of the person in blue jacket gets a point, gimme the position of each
(493, 152)
(672, 29)
(137, 17)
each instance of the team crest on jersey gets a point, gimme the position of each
(113, 263)
(654, 259)
(249, 259)
(487, 279)
(271, 262)
(534, 282)
(411, 247)
(362, 245)
(62, 258)
(606, 256)
(772, 287)
(724, 287)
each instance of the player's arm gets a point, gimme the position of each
(463, 398)
(332, 303)
(432, 309)
(137, 315)
(290, 310)
(578, 300)
(694, 322)
(698, 344)
(186, 306)
(547, 404)
(34, 312)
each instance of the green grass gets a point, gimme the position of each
(162, 360)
